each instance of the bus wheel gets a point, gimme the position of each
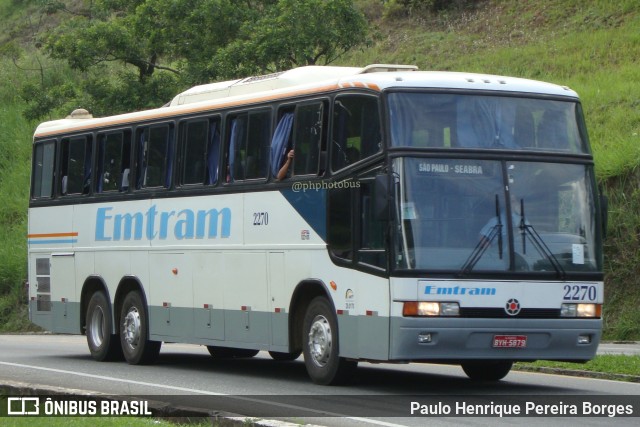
(134, 332)
(284, 357)
(103, 345)
(320, 329)
(230, 353)
(487, 370)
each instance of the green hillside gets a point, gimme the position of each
(591, 46)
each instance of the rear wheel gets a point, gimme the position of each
(230, 353)
(103, 345)
(320, 345)
(284, 357)
(134, 332)
(487, 370)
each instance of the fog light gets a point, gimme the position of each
(424, 338)
(584, 339)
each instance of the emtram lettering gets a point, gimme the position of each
(457, 290)
(183, 225)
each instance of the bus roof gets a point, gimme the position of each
(301, 81)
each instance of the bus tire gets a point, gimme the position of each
(490, 370)
(320, 345)
(134, 332)
(103, 345)
(230, 353)
(284, 357)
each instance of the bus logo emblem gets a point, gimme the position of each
(512, 307)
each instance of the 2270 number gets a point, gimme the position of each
(580, 293)
(261, 218)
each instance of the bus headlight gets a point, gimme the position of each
(430, 308)
(581, 310)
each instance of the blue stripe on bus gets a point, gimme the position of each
(42, 242)
(311, 205)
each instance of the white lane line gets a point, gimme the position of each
(198, 391)
(120, 380)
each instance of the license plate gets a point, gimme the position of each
(509, 341)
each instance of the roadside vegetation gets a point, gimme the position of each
(610, 366)
(101, 422)
(593, 47)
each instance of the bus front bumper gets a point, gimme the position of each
(454, 339)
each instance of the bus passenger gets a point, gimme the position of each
(282, 173)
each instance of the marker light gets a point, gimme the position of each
(584, 339)
(430, 308)
(581, 310)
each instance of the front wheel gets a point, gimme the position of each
(134, 332)
(320, 345)
(103, 345)
(487, 370)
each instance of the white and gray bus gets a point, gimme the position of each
(423, 217)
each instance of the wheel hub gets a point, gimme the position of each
(320, 341)
(96, 328)
(131, 327)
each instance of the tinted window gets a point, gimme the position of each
(307, 139)
(75, 165)
(194, 154)
(114, 154)
(200, 151)
(428, 120)
(43, 163)
(249, 142)
(356, 130)
(340, 223)
(155, 157)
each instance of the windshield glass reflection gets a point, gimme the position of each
(438, 120)
(469, 216)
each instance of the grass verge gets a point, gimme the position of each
(93, 422)
(610, 366)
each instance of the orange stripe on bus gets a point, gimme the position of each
(175, 112)
(74, 234)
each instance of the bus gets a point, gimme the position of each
(420, 216)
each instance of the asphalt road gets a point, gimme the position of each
(628, 348)
(186, 375)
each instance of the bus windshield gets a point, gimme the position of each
(458, 215)
(445, 120)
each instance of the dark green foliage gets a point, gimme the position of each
(438, 5)
(133, 55)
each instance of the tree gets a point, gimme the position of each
(294, 33)
(131, 52)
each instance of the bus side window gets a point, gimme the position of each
(308, 136)
(340, 223)
(371, 247)
(282, 143)
(154, 153)
(356, 130)
(200, 146)
(248, 147)
(75, 170)
(114, 156)
(43, 163)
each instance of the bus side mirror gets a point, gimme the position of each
(381, 198)
(604, 210)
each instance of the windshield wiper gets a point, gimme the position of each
(538, 242)
(484, 243)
